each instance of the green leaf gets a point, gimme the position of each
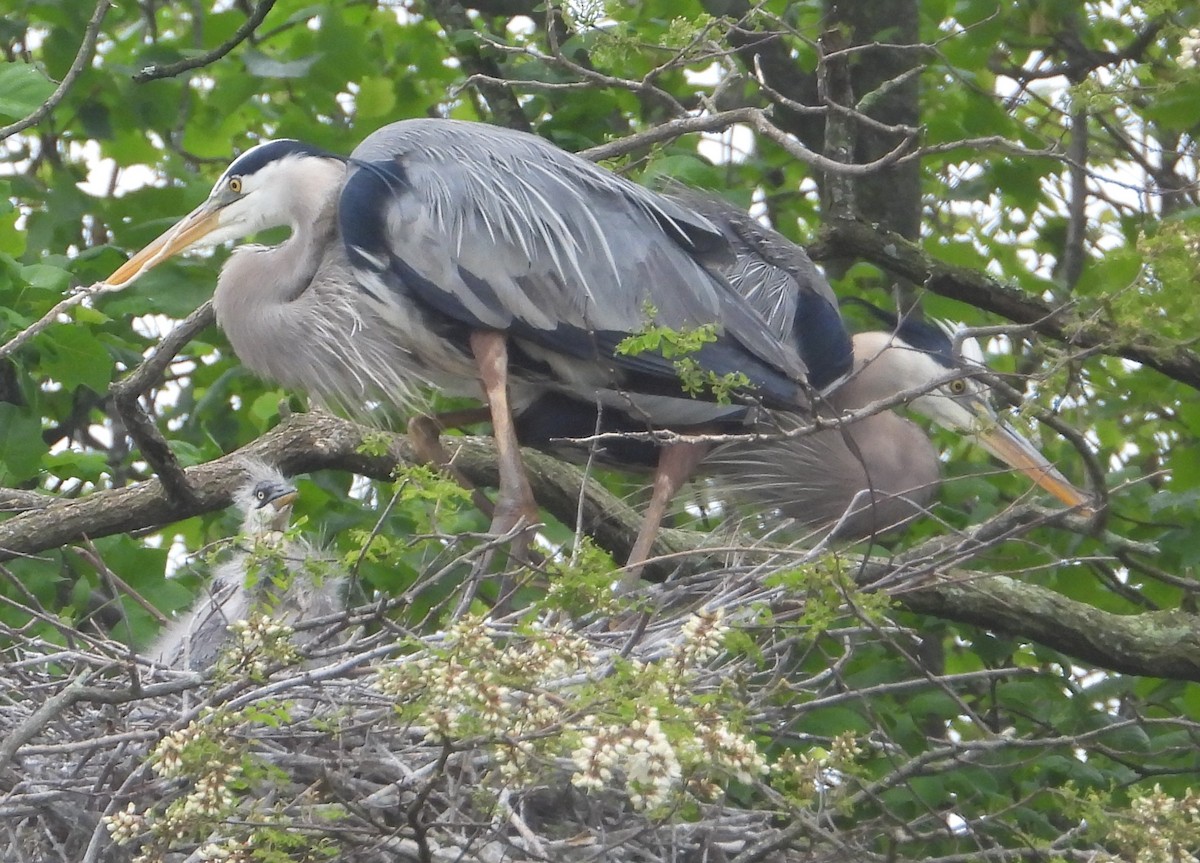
(21, 445)
(23, 88)
(376, 98)
(46, 277)
(74, 357)
(1177, 107)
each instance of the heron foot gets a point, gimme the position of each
(424, 432)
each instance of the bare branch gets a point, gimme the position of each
(897, 255)
(256, 17)
(83, 58)
(51, 317)
(127, 392)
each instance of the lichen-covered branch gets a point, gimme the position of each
(930, 578)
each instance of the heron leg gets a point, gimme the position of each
(424, 431)
(514, 500)
(676, 462)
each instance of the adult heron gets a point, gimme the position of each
(284, 577)
(872, 470)
(457, 255)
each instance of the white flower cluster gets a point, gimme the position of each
(640, 750)
(1162, 828)
(125, 826)
(167, 755)
(845, 749)
(466, 688)
(1189, 49)
(211, 798)
(227, 851)
(260, 642)
(548, 657)
(197, 751)
(520, 698)
(819, 770)
(702, 637)
(213, 795)
(463, 699)
(723, 748)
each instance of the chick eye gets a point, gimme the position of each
(958, 387)
(260, 495)
(235, 185)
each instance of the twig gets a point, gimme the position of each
(47, 319)
(92, 556)
(150, 73)
(127, 392)
(50, 708)
(83, 58)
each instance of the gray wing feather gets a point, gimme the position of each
(768, 270)
(517, 230)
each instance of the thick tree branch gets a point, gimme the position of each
(484, 71)
(927, 579)
(1154, 643)
(308, 442)
(127, 392)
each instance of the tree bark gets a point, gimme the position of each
(927, 579)
(897, 255)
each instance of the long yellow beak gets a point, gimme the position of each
(186, 232)
(1007, 445)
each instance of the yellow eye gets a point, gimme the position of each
(958, 387)
(235, 185)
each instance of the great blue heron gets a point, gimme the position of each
(457, 254)
(863, 477)
(285, 578)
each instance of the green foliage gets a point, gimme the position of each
(863, 695)
(830, 593)
(22, 89)
(679, 345)
(641, 723)
(227, 809)
(582, 584)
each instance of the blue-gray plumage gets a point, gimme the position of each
(483, 228)
(864, 478)
(471, 257)
(454, 254)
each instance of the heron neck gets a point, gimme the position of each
(877, 361)
(258, 277)
(265, 300)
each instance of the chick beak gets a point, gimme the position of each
(281, 507)
(186, 232)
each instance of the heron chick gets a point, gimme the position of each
(271, 573)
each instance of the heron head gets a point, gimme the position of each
(262, 188)
(930, 362)
(265, 499)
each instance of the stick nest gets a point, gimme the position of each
(524, 738)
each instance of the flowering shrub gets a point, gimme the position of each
(548, 699)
